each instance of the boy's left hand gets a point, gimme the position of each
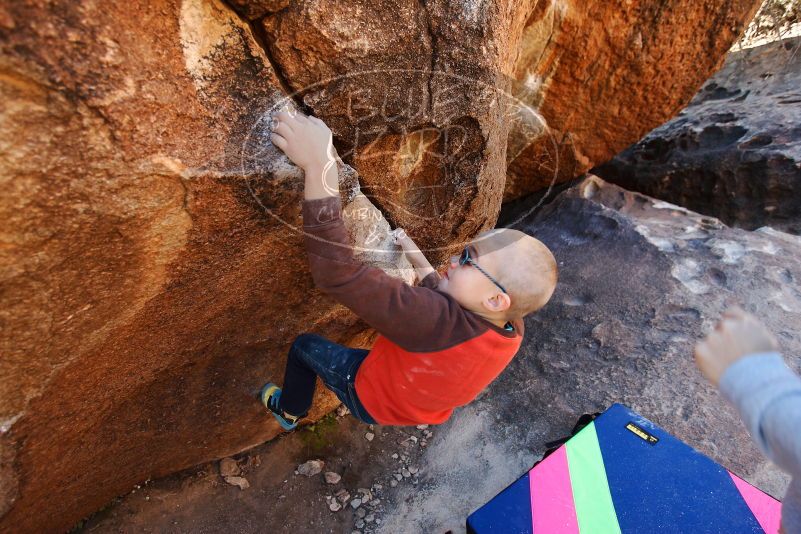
(307, 141)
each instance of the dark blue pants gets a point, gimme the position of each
(311, 356)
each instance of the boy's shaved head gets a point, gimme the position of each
(524, 265)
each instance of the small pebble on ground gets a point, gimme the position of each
(311, 468)
(229, 467)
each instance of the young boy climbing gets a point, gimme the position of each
(741, 357)
(440, 343)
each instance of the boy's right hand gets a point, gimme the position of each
(737, 335)
(399, 236)
(306, 140)
(412, 252)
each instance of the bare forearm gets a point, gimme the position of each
(422, 272)
(421, 265)
(322, 181)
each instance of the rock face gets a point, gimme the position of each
(735, 151)
(151, 265)
(640, 281)
(416, 96)
(593, 77)
(424, 97)
(153, 273)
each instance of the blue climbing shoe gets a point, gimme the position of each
(270, 395)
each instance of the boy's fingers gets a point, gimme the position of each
(700, 351)
(733, 324)
(713, 342)
(278, 141)
(285, 118)
(282, 129)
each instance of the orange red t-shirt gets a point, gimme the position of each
(431, 354)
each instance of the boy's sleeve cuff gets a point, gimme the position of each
(320, 211)
(431, 281)
(753, 383)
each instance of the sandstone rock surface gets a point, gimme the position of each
(432, 101)
(151, 265)
(599, 75)
(735, 151)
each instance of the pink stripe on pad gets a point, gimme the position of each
(552, 507)
(766, 509)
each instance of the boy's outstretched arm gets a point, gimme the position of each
(388, 304)
(742, 358)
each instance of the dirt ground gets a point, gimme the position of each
(278, 499)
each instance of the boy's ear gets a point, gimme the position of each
(498, 302)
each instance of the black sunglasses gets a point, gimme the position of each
(465, 258)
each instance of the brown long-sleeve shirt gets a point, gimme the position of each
(431, 354)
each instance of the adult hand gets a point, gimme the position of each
(737, 335)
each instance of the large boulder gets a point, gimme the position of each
(151, 266)
(416, 94)
(640, 281)
(735, 151)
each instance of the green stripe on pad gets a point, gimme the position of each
(594, 508)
